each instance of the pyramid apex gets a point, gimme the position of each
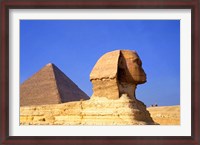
(49, 64)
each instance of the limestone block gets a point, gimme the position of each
(96, 111)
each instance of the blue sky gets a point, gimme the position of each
(74, 46)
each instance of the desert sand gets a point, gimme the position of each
(165, 115)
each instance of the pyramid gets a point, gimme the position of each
(49, 86)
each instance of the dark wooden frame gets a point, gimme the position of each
(98, 4)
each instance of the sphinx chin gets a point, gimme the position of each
(140, 79)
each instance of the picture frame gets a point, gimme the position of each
(100, 4)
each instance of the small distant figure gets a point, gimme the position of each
(154, 105)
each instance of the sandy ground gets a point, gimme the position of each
(165, 115)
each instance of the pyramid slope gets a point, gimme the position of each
(68, 90)
(49, 86)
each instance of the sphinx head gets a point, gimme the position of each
(116, 73)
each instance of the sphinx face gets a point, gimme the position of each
(130, 68)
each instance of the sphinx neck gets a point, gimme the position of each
(128, 89)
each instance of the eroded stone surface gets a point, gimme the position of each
(116, 73)
(96, 111)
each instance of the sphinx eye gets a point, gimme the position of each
(138, 61)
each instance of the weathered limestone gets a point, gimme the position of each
(104, 76)
(96, 111)
(116, 73)
(49, 86)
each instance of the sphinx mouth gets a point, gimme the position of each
(141, 82)
(140, 79)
